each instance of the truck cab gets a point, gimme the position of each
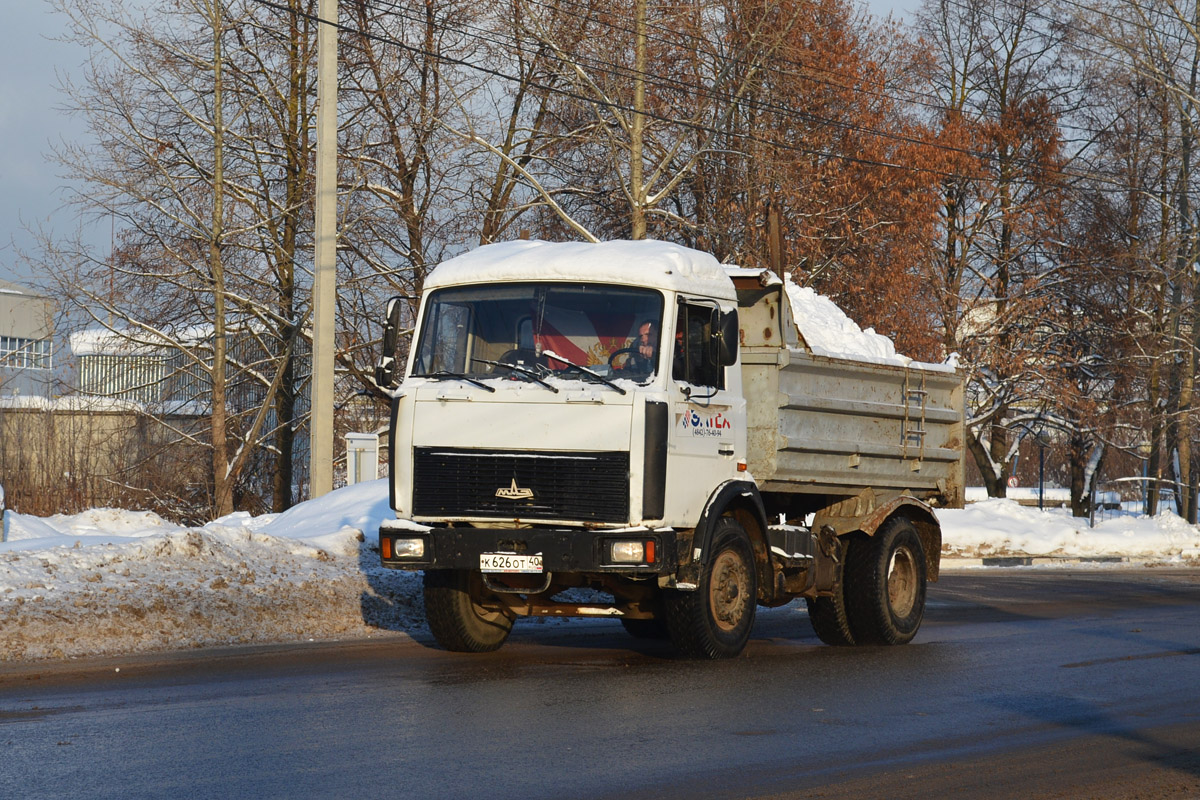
(566, 386)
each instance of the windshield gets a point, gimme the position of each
(537, 330)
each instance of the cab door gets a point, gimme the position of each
(707, 417)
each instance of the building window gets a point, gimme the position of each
(20, 353)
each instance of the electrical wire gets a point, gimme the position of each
(615, 106)
(481, 35)
(791, 113)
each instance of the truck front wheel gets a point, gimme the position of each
(715, 620)
(885, 585)
(456, 614)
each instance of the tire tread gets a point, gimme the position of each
(450, 615)
(867, 606)
(687, 614)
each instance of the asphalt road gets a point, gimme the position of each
(1030, 684)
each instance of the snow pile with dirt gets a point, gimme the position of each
(110, 581)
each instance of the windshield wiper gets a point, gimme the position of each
(584, 370)
(518, 368)
(442, 374)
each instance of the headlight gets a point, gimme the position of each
(640, 552)
(403, 548)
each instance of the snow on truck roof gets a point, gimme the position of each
(659, 265)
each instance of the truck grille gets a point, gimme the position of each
(589, 487)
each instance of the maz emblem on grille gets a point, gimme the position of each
(514, 492)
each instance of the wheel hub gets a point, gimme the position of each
(729, 590)
(902, 585)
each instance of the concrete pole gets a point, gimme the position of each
(638, 124)
(320, 467)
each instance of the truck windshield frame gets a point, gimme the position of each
(478, 330)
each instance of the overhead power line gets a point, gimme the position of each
(617, 71)
(616, 106)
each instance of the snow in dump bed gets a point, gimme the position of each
(651, 263)
(111, 581)
(829, 332)
(824, 326)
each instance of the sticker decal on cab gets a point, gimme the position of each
(712, 423)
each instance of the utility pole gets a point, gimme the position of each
(775, 238)
(637, 127)
(320, 465)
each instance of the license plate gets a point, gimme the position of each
(510, 562)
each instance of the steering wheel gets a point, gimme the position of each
(630, 351)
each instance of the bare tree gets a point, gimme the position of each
(1000, 75)
(1158, 45)
(651, 89)
(176, 159)
(274, 76)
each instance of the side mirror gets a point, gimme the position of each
(385, 373)
(725, 337)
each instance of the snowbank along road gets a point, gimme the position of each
(111, 581)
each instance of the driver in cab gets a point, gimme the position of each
(642, 351)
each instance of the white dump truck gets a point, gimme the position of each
(637, 420)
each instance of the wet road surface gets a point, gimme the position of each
(1020, 684)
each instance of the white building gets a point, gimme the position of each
(26, 341)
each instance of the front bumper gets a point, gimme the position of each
(566, 550)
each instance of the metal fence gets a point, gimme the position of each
(1128, 496)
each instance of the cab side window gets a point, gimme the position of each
(694, 355)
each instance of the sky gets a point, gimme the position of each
(31, 191)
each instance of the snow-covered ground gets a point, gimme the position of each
(112, 581)
(1005, 528)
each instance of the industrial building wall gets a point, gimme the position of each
(26, 342)
(25, 313)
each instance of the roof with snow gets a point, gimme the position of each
(8, 287)
(137, 341)
(654, 264)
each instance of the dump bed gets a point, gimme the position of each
(839, 427)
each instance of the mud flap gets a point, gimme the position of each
(826, 570)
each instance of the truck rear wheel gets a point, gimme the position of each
(828, 615)
(885, 585)
(456, 616)
(715, 620)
